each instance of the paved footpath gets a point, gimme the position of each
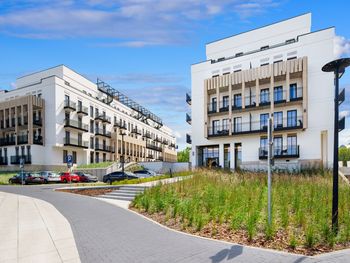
(107, 233)
(32, 230)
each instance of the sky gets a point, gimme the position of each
(145, 48)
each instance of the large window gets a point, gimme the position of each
(237, 100)
(215, 127)
(213, 104)
(293, 91)
(225, 126)
(278, 119)
(208, 156)
(264, 96)
(263, 146)
(278, 94)
(91, 111)
(292, 118)
(292, 146)
(237, 124)
(264, 118)
(277, 145)
(225, 101)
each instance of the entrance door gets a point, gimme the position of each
(238, 155)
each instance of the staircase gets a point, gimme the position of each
(125, 193)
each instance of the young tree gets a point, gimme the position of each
(184, 155)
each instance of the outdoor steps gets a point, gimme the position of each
(125, 193)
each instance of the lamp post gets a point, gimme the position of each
(122, 133)
(338, 67)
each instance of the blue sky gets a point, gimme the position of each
(145, 48)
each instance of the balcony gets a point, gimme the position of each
(224, 107)
(154, 147)
(7, 141)
(188, 119)
(103, 118)
(150, 156)
(291, 151)
(249, 127)
(160, 158)
(136, 131)
(23, 123)
(38, 121)
(22, 139)
(147, 135)
(165, 142)
(70, 106)
(16, 159)
(119, 125)
(3, 160)
(212, 108)
(288, 123)
(172, 145)
(38, 140)
(104, 148)
(76, 125)
(75, 143)
(81, 110)
(188, 99)
(296, 94)
(217, 131)
(188, 139)
(102, 132)
(158, 139)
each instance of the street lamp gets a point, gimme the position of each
(338, 67)
(122, 133)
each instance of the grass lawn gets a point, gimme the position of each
(5, 176)
(233, 207)
(151, 179)
(96, 165)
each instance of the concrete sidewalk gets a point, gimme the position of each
(32, 230)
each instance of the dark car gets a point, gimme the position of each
(84, 177)
(34, 178)
(17, 179)
(118, 176)
(145, 173)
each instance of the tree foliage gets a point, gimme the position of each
(184, 155)
(344, 154)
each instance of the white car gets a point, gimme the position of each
(50, 177)
(145, 173)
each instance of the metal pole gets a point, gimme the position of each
(335, 155)
(269, 172)
(123, 153)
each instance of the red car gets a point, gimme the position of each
(67, 177)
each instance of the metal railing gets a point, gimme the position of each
(154, 147)
(75, 142)
(102, 132)
(82, 110)
(291, 151)
(288, 123)
(103, 118)
(105, 148)
(70, 105)
(76, 124)
(219, 130)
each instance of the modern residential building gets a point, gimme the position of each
(273, 71)
(58, 112)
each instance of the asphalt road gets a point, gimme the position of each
(106, 233)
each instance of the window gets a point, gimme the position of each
(74, 156)
(67, 139)
(80, 125)
(293, 91)
(237, 124)
(278, 119)
(65, 154)
(91, 126)
(264, 96)
(278, 94)
(215, 127)
(67, 116)
(263, 146)
(225, 126)
(213, 104)
(104, 157)
(66, 99)
(91, 111)
(96, 112)
(91, 142)
(80, 139)
(264, 118)
(80, 105)
(292, 147)
(225, 101)
(91, 157)
(292, 118)
(237, 100)
(277, 145)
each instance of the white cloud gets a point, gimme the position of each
(345, 113)
(344, 137)
(341, 46)
(135, 23)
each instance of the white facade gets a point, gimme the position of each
(253, 66)
(54, 86)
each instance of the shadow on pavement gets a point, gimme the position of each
(227, 254)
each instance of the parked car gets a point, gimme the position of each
(118, 176)
(145, 173)
(67, 177)
(17, 179)
(84, 177)
(50, 176)
(34, 178)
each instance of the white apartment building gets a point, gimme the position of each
(58, 112)
(273, 71)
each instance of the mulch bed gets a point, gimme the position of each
(223, 232)
(88, 192)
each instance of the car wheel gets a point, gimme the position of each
(10, 181)
(45, 181)
(109, 181)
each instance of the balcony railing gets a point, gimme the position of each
(172, 145)
(165, 142)
(224, 106)
(7, 141)
(212, 108)
(188, 99)
(69, 105)
(218, 130)
(82, 110)
(288, 123)
(154, 147)
(22, 139)
(75, 142)
(24, 122)
(102, 132)
(3, 160)
(188, 119)
(38, 140)
(150, 156)
(188, 139)
(103, 118)
(120, 125)
(147, 135)
(136, 131)
(296, 94)
(158, 139)
(76, 124)
(16, 159)
(38, 121)
(104, 148)
(291, 151)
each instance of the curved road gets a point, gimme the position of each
(106, 233)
